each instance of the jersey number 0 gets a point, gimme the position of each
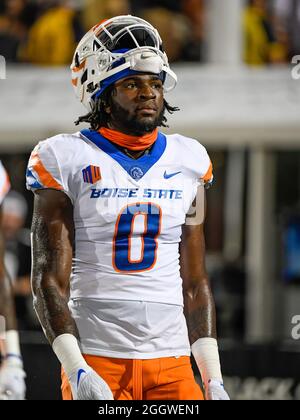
(124, 231)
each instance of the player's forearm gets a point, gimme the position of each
(201, 321)
(52, 239)
(52, 310)
(50, 275)
(200, 311)
(7, 308)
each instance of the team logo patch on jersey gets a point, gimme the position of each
(91, 174)
(136, 172)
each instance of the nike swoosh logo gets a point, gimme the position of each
(79, 373)
(167, 176)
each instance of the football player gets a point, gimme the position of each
(12, 375)
(114, 261)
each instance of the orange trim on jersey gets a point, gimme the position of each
(75, 81)
(142, 238)
(45, 177)
(129, 142)
(155, 239)
(208, 176)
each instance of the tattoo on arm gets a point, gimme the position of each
(52, 259)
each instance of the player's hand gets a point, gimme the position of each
(215, 391)
(12, 382)
(86, 384)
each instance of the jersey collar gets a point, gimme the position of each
(136, 168)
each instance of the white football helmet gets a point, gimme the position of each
(116, 48)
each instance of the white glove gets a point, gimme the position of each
(215, 391)
(12, 382)
(86, 384)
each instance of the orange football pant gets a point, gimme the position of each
(167, 378)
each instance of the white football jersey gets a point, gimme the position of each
(128, 215)
(4, 183)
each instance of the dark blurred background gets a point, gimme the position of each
(239, 94)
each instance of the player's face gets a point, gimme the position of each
(137, 104)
